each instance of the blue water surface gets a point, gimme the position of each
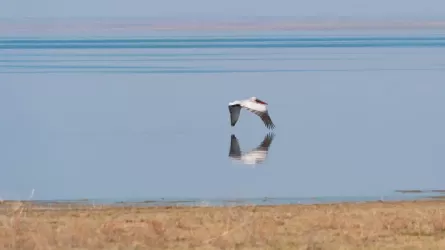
(135, 118)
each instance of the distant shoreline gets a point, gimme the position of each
(24, 26)
(155, 204)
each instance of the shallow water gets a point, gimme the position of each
(143, 118)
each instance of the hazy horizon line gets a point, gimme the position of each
(164, 24)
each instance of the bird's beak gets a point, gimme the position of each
(261, 102)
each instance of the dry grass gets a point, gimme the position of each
(374, 225)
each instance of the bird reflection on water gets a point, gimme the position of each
(254, 156)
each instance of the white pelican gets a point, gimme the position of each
(253, 157)
(255, 106)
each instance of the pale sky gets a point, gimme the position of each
(230, 8)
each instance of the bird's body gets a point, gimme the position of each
(253, 157)
(255, 106)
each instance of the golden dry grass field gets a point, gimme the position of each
(371, 225)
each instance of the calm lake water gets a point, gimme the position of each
(137, 118)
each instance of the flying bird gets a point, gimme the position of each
(255, 106)
(254, 156)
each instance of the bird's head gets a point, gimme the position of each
(254, 99)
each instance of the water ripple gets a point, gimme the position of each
(258, 42)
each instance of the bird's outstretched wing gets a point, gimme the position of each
(264, 117)
(234, 113)
(235, 151)
(267, 120)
